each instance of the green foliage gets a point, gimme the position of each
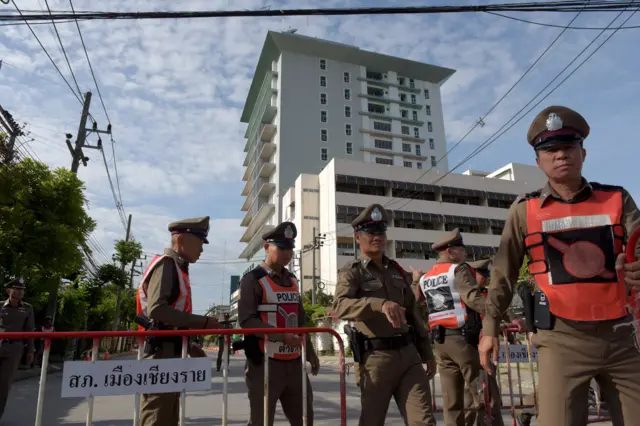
(315, 312)
(110, 273)
(43, 224)
(524, 275)
(128, 251)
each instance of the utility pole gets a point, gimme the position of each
(116, 321)
(318, 241)
(14, 130)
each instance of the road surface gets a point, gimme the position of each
(203, 408)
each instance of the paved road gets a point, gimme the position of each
(203, 408)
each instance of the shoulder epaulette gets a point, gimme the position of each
(607, 188)
(257, 273)
(528, 196)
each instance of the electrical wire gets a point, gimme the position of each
(543, 24)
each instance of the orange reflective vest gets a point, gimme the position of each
(279, 308)
(446, 308)
(573, 249)
(182, 302)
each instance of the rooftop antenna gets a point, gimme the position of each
(291, 31)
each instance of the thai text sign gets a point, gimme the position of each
(517, 354)
(102, 378)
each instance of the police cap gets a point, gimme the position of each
(282, 236)
(481, 266)
(17, 282)
(373, 219)
(450, 239)
(557, 125)
(198, 226)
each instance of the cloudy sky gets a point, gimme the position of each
(174, 89)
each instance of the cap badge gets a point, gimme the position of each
(554, 122)
(376, 215)
(288, 232)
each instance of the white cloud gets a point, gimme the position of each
(174, 91)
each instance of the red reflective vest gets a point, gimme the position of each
(182, 303)
(444, 304)
(279, 308)
(573, 249)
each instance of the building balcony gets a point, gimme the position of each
(257, 220)
(255, 243)
(407, 155)
(267, 170)
(383, 82)
(264, 109)
(378, 98)
(267, 150)
(247, 188)
(267, 132)
(266, 189)
(246, 204)
(392, 117)
(387, 135)
(248, 170)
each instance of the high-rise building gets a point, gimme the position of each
(312, 100)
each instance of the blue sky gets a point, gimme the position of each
(174, 92)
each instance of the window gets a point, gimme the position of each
(347, 94)
(413, 99)
(426, 93)
(428, 109)
(385, 127)
(412, 83)
(387, 161)
(406, 147)
(323, 98)
(323, 135)
(405, 130)
(430, 127)
(323, 64)
(408, 164)
(418, 150)
(403, 97)
(323, 81)
(416, 132)
(324, 154)
(347, 129)
(432, 143)
(419, 165)
(433, 161)
(401, 81)
(347, 111)
(382, 144)
(404, 113)
(323, 116)
(414, 115)
(347, 77)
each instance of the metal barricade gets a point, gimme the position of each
(185, 334)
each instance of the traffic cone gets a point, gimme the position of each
(106, 356)
(87, 357)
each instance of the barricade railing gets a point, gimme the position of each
(90, 387)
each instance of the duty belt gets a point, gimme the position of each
(387, 343)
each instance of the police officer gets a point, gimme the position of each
(15, 315)
(573, 232)
(375, 292)
(224, 323)
(454, 303)
(164, 296)
(270, 297)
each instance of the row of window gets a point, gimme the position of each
(346, 78)
(372, 75)
(324, 152)
(406, 147)
(406, 163)
(323, 96)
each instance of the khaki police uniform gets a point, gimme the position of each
(458, 361)
(392, 365)
(285, 367)
(13, 318)
(471, 416)
(224, 321)
(161, 285)
(581, 339)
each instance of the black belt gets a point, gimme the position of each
(387, 343)
(11, 341)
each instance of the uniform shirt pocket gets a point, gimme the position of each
(372, 288)
(397, 289)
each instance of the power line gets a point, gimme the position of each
(558, 6)
(480, 122)
(543, 24)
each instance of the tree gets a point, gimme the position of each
(127, 251)
(524, 275)
(315, 312)
(44, 226)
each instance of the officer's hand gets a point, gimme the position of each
(631, 271)
(315, 365)
(417, 273)
(431, 368)
(196, 351)
(212, 323)
(292, 340)
(520, 323)
(489, 350)
(394, 313)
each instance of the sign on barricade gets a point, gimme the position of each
(108, 378)
(517, 354)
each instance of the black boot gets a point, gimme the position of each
(524, 419)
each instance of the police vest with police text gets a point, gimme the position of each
(445, 306)
(573, 249)
(279, 308)
(182, 302)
